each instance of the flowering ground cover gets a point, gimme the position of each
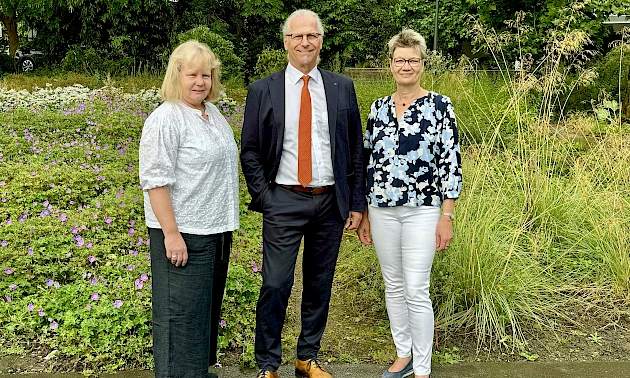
(74, 259)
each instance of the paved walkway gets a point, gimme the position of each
(463, 370)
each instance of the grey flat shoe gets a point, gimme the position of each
(407, 371)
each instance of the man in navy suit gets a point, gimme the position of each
(302, 159)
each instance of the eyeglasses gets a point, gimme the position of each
(413, 62)
(311, 37)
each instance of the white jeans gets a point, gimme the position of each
(404, 238)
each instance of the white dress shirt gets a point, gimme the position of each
(198, 160)
(320, 148)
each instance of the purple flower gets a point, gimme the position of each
(118, 303)
(108, 220)
(88, 245)
(9, 221)
(54, 325)
(222, 323)
(2, 183)
(98, 204)
(93, 281)
(131, 231)
(80, 241)
(30, 251)
(139, 284)
(63, 217)
(46, 203)
(140, 241)
(94, 296)
(49, 283)
(89, 306)
(8, 270)
(41, 312)
(91, 259)
(144, 277)
(132, 222)
(4, 243)
(75, 229)
(30, 307)
(12, 287)
(235, 255)
(130, 268)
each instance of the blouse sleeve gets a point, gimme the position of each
(449, 163)
(158, 151)
(367, 135)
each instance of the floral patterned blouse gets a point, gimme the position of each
(413, 161)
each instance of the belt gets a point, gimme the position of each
(302, 189)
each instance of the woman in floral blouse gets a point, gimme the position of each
(413, 161)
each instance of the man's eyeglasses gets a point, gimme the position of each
(311, 37)
(413, 62)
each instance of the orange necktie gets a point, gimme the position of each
(305, 168)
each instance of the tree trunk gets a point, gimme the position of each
(10, 24)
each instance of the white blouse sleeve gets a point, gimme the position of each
(158, 150)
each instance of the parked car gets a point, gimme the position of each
(27, 59)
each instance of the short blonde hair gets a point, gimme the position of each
(408, 38)
(195, 54)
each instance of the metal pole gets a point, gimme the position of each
(435, 33)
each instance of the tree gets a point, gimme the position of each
(14, 11)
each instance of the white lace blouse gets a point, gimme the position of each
(198, 160)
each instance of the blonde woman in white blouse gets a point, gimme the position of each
(189, 174)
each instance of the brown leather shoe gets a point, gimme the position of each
(267, 374)
(310, 369)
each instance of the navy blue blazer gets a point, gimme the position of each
(263, 135)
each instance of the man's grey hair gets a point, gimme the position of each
(408, 38)
(303, 12)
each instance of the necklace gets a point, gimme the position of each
(413, 97)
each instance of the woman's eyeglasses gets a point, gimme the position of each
(413, 62)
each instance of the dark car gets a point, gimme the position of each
(27, 59)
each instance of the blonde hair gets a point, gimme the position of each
(408, 38)
(195, 54)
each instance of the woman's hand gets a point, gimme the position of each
(364, 230)
(174, 243)
(176, 250)
(444, 233)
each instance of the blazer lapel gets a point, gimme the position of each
(276, 93)
(331, 87)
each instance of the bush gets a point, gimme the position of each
(7, 64)
(269, 61)
(231, 64)
(608, 80)
(92, 61)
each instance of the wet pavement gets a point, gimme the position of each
(461, 370)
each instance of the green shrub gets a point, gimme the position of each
(269, 61)
(7, 64)
(612, 79)
(82, 59)
(231, 64)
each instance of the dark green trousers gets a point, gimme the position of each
(187, 304)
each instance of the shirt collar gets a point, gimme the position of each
(294, 75)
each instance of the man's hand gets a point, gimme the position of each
(352, 223)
